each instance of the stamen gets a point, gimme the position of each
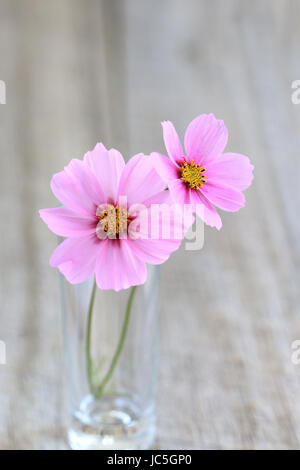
(113, 220)
(192, 175)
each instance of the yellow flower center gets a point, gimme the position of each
(193, 175)
(113, 220)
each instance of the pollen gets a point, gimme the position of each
(193, 175)
(113, 221)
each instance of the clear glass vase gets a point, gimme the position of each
(111, 355)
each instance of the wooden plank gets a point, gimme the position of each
(239, 295)
(56, 109)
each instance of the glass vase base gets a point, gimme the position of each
(113, 422)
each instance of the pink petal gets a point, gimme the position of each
(164, 167)
(161, 222)
(162, 234)
(223, 196)
(205, 210)
(118, 267)
(172, 142)
(205, 139)
(107, 166)
(180, 193)
(139, 180)
(232, 169)
(154, 251)
(76, 258)
(136, 211)
(67, 223)
(163, 197)
(77, 188)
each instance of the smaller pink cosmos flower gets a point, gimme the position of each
(97, 225)
(204, 176)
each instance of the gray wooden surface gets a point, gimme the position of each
(80, 71)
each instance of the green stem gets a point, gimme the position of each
(88, 339)
(118, 351)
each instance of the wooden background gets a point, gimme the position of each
(82, 71)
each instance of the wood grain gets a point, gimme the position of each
(80, 71)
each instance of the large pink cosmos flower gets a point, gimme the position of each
(203, 176)
(91, 191)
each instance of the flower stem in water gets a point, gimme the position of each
(120, 345)
(98, 392)
(89, 359)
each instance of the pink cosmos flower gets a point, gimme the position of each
(204, 176)
(91, 192)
